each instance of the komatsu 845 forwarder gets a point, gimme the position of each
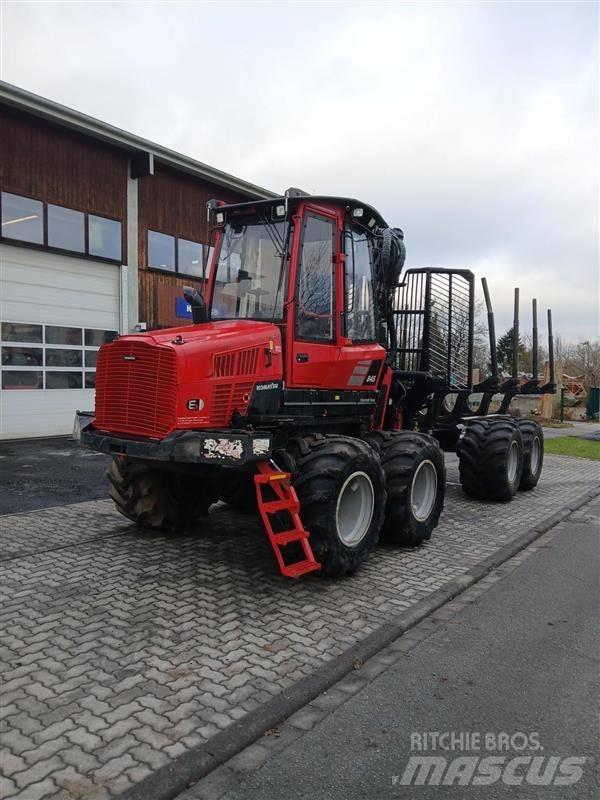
(317, 385)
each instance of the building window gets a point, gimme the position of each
(66, 228)
(64, 380)
(178, 255)
(104, 237)
(49, 356)
(57, 334)
(95, 338)
(21, 332)
(190, 257)
(22, 218)
(91, 358)
(161, 251)
(25, 379)
(62, 357)
(22, 357)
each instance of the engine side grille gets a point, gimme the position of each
(226, 399)
(238, 362)
(224, 365)
(136, 389)
(247, 361)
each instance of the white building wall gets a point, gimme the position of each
(49, 289)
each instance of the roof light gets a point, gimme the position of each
(371, 222)
(358, 212)
(280, 211)
(220, 218)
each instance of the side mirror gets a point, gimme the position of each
(196, 301)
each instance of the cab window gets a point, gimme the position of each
(315, 286)
(360, 305)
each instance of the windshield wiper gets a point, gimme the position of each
(274, 235)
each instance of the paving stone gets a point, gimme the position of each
(123, 650)
(8, 788)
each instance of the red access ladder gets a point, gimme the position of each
(287, 500)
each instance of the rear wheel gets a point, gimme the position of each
(533, 452)
(491, 459)
(156, 498)
(415, 478)
(341, 487)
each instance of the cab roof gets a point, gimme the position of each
(294, 200)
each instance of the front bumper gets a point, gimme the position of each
(231, 448)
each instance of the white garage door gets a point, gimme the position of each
(55, 312)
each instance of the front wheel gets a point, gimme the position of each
(156, 498)
(341, 488)
(415, 478)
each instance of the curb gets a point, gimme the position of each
(174, 778)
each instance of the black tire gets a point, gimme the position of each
(323, 468)
(156, 498)
(483, 450)
(240, 492)
(533, 453)
(402, 454)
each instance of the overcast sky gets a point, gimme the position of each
(473, 126)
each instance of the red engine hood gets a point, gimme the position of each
(196, 344)
(193, 376)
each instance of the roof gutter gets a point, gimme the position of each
(69, 118)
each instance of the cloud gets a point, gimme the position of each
(472, 126)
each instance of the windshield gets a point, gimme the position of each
(248, 282)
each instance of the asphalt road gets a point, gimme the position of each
(523, 658)
(40, 473)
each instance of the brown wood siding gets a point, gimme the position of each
(41, 160)
(174, 203)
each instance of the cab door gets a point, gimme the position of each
(314, 349)
(334, 343)
(361, 358)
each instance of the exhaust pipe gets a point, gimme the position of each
(197, 304)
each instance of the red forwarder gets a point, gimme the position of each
(317, 385)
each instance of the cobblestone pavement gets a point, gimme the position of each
(122, 650)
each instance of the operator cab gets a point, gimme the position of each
(313, 266)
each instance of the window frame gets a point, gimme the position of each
(206, 252)
(24, 242)
(45, 247)
(164, 270)
(47, 230)
(346, 234)
(83, 370)
(332, 220)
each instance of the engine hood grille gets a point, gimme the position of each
(136, 388)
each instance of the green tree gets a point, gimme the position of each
(504, 349)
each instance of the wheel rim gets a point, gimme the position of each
(354, 511)
(512, 462)
(423, 491)
(535, 454)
